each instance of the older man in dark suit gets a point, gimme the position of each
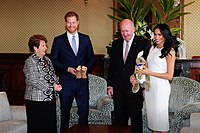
(122, 64)
(70, 52)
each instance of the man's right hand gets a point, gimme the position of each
(110, 91)
(71, 70)
(133, 80)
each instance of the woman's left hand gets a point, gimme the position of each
(144, 70)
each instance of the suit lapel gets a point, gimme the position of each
(121, 50)
(80, 44)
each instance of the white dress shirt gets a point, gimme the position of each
(70, 36)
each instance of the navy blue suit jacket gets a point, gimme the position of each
(62, 56)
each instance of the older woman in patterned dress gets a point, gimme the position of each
(40, 90)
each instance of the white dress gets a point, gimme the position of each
(157, 99)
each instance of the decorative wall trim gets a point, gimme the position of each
(13, 79)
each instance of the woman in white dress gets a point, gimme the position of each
(160, 68)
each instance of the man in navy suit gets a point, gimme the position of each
(67, 59)
(122, 65)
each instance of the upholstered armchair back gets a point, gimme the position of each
(97, 89)
(184, 100)
(12, 118)
(183, 92)
(5, 113)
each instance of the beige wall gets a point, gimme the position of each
(192, 29)
(22, 18)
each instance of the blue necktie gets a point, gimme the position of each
(74, 45)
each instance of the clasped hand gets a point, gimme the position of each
(57, 87)
(110, 91)
(133, 80)
(71, 70)
(143, 71)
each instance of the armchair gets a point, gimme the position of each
(194, 124)
(12, 118)
(184, 100)
(100, 105)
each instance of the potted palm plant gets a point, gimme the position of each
(137, 11)
(170, 12)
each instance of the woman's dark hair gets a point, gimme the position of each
(35, 41)
(169, 39)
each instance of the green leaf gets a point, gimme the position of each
(137, 11)
(169, 11)
(115, 18)
(178, 8)
(143, 12)
(175, 31)
(121, 13)
(156, 13)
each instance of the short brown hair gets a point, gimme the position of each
(35, 41)
(71, 14)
